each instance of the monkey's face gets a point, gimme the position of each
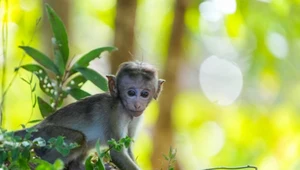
(136, 93)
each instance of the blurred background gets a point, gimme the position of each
(231, 96)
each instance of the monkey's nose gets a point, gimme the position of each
(137, 106)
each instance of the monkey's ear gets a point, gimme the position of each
(112, 85)
(159, 88)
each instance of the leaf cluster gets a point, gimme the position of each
(98, 160)
(171, 158)
(58, 78)
(18, 152)
(61, 146)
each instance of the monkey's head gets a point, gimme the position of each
(135, 84)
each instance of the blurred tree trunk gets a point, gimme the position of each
(124, 33)
(163, 134)
(61, 7)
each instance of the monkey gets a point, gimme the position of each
(111, 115)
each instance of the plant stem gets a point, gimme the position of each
(240, 167)
(4, 56)
(4, 92)
(33, 99)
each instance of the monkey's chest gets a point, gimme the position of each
(94, 132)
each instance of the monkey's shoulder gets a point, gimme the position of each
(91, 101)
(97, 98)
(83, 109)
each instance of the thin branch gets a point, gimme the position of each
(240, 167)
(16, 73)
(4, 56)
(32, 97)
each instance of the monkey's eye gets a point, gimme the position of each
(144, 94)
(131, 93)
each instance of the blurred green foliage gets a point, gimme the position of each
(16, 152)
(260, 128)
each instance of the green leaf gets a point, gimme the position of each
(15, 154)
(33, 89)
(26, 153)
(62, 150)
(23, 126)
(39, 142)
(97, 166)
(44, 80)
(45, 108)
(58, 59)
(166, 158)
(23, 162)
(88, 163)
(31, 130)
(100, 164)
(77, 82)
(3, 157)
(98, 148)
(34, 102)
(94, 77)
(78, 93)
(31, 77)
(73, 145)
(41, 59)
(112, 142)
(41, 164)
(35, 121)
(60, 41)
(25, 80)
(127, 141)
(59, 141)
(58, 164)
(87, 58)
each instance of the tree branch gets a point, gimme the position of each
(240, 167)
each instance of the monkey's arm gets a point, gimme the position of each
(122, 160)
(119, 130)
(132, 128)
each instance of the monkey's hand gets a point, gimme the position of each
(111, 166)
(123, 161)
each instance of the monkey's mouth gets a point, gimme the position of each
(136, 113)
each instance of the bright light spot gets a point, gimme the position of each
(291, 150)
(269, 163)
(214, 10)
(209, 11)
(277, 44)
(222, 46)
(212, 139)
(28, 5)
(226, 6)
(220, 80)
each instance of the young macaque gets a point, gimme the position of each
(105, 116)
